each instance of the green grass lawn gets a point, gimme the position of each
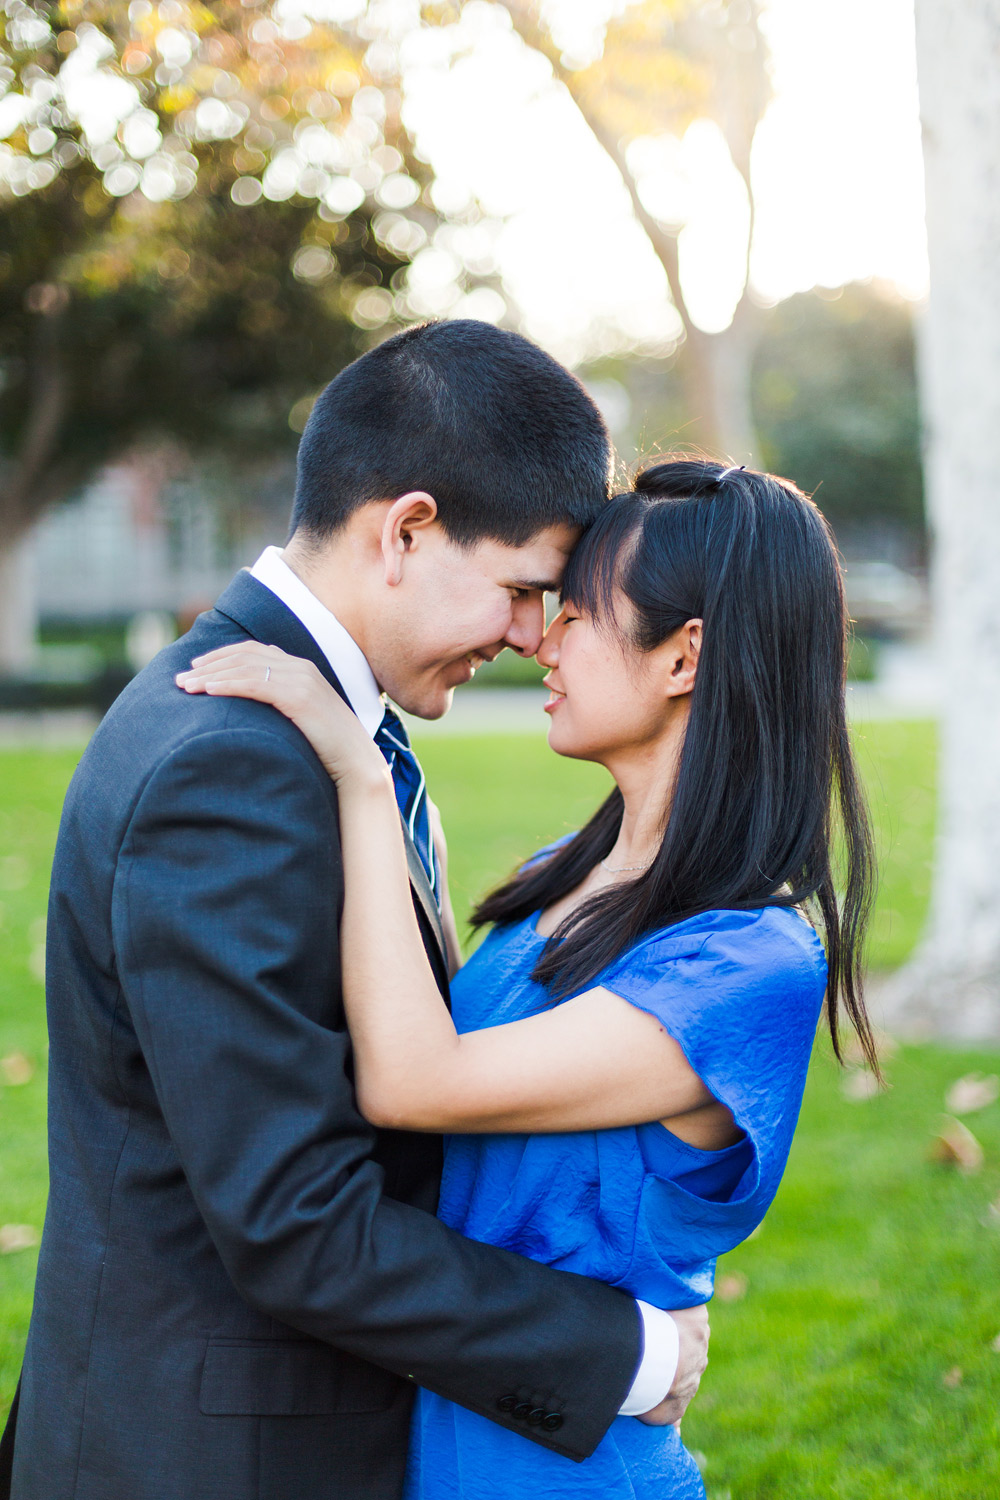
(874, 1278)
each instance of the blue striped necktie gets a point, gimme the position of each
(411, 791)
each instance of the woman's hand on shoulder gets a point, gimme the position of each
(297, 689)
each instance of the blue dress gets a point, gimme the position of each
(635, 1207)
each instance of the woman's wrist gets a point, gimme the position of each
(365, 781)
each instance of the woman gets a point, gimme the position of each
(624, 1068)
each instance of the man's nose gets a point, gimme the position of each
(527, 625)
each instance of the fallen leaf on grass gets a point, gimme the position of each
(17, 1237)
(731, 1288)
(858, 1085)
(17, 1069)
(992, 1218)
(952, 1379)
(972, 1092)
(956, 1146)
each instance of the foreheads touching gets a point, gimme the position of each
(443, 480)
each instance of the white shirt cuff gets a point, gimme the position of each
(658, 1365)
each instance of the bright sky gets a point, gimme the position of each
(837, 174)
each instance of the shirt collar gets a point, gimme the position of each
(340, 649)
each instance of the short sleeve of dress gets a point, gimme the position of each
(741, 993)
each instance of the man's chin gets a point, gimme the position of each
(431, 703)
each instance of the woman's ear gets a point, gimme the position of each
(681, 651)
(404, 522)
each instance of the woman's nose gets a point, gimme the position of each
(548, 651)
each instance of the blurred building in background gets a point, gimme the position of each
(132, 542)
(113, 575)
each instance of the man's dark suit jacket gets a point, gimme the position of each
(240, 1279)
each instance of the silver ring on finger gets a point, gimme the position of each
(267, 675)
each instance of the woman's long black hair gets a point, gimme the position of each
(766, 780)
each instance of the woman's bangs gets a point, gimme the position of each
(594, 571)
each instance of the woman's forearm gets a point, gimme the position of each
(403, 1035)
(589, 1063)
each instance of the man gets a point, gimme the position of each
(240, 1280)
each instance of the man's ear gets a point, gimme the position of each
(405, 521)
(681, 658)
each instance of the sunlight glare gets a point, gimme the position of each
(836, 167)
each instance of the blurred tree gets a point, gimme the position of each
(952, 985)
(835, 401)
(835, 398)
(200, 211)
(666, 64)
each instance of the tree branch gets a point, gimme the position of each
(663, 242)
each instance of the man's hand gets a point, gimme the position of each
(692, 1326)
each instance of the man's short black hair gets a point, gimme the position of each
(506, 440)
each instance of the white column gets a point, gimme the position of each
(18, 608)
(952, 987)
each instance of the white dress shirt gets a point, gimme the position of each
(660, 1353)
(340, 649)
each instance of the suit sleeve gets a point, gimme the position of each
(226, 902)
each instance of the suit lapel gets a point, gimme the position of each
(422, 890)
(252, 606)
(261, 614)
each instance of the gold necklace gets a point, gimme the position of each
(621, 869)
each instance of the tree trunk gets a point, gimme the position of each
(952, 985)
(717, 369)
(18, 607)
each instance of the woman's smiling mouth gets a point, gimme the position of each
(555, 697)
